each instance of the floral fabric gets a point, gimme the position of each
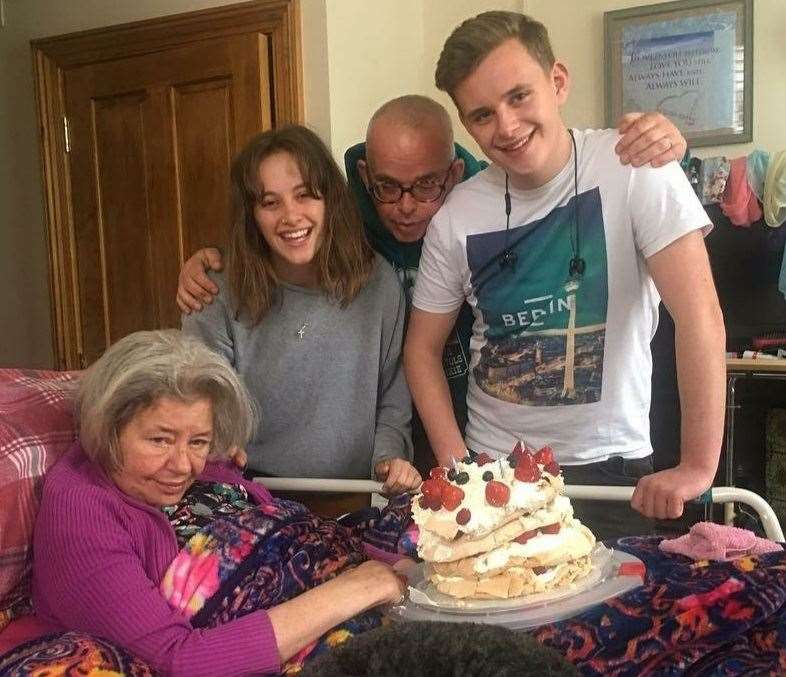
(689, 618)
(71, 653)
(201, 504)
(265, 555)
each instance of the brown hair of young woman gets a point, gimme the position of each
(344, 260)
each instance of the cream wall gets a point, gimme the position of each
(375, 51)
(316, 76)
(379, 49)
(356, 54)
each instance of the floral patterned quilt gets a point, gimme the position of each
(690, 617)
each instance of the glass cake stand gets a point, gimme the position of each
(604, 581)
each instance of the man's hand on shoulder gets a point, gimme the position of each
(649, 138)
(663, 494)
(194, 287)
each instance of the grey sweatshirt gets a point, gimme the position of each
(328, 380)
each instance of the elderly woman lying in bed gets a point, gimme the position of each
(149, 538)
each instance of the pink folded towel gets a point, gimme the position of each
(707, 540)
(739, 202)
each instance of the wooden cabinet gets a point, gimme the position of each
(139, 124)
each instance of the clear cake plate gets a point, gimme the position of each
(603, 581)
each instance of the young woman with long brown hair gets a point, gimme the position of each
(311, 318)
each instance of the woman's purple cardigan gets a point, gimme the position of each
(98, 559)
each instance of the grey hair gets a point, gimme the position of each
(416, 111)
(474, 39)
(145, 366)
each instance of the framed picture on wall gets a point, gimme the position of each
(692, 60)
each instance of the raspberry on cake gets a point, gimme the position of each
(500, 528)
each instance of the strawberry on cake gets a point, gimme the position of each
(500, 528)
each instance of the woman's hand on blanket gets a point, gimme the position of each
(663, 494)
(303, 619)
(398, 476)
(383, 584)
(649, 138)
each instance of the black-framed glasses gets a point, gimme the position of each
(424, 190)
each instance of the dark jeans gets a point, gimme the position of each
(610, 519)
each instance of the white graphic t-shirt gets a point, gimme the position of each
(559, 359)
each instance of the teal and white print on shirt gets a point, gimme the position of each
(545, 330)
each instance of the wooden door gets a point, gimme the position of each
(151, 131)
(151, 140)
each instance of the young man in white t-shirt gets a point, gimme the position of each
(563, 255)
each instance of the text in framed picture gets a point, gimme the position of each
(692, 60)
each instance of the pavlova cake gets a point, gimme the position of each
(500, 528)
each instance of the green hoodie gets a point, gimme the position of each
(398, 254)
(405, 258)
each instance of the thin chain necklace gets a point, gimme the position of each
(300, 333)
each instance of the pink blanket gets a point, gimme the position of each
(707, 540)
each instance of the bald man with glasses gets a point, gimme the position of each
(400, 177)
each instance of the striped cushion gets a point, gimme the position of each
(36, 427)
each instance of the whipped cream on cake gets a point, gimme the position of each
(500, 528)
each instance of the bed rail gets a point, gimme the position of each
(766, 514)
